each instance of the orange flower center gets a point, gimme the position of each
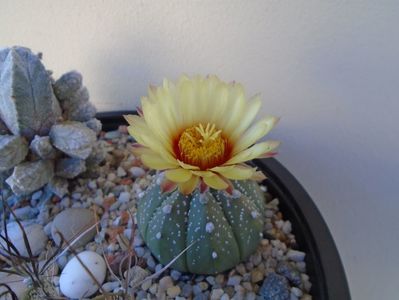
(202, 147)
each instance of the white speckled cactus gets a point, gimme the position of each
(225, 228)
(47, 128)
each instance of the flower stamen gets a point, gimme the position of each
(202, 146)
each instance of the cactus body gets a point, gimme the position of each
(224, 229)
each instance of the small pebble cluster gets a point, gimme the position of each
(276, 271)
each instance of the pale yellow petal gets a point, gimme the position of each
(178, 175)
(155, 161)
(254, 133)
(236, 172)
(203, 173)
(246, 118)
(253, 152)
(215, 182)
(187, 166)
(188, 187)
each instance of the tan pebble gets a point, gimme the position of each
(173, 291)
(256, 276)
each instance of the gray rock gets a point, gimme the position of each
(73, 138)
(289, 272)
(13, 150)
(42, 147)
(28, 177)
(71, 223)
(37, 238)
(275, 287)
(27, 103)
(70, 167)
(67, 85)
(58, 186)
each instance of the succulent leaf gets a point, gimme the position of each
(73, 138)
(27, 103)
(13, 150)
(28, 177)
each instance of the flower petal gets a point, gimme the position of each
(258, 176)
(246, 118)
(253, 152)
(236, 172)
(155, 161)
(178, 175)
(254, 133)
(187, 166)
(203, 173)
(215, 182)
(188, 187)
(168, 186)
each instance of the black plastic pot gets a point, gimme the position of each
(324, 265)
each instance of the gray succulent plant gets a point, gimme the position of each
(48, 130)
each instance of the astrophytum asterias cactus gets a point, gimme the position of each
(47, 128)
(223, 228)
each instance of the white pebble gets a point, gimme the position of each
(137, 172)
(124, 197)
(120, 172)
(158, 235)
(75, 282)
(297, 292)
(287, 227)
(236, 194)
(254, 214)
(296, 255)
(214, 255)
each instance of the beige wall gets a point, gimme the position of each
(329, 68)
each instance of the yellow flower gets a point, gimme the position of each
(200, 130)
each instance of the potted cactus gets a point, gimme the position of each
(206, 200)
(48, 128)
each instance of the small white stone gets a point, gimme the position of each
(137, 172)
(287, 227)
(158, 235)
(120, 172)
(214, 255)
(297, 292)
(167, 209)
(124, 197)
(209, 227)
(296, 255)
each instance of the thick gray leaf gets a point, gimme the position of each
(30, 176)
(70, 167)
(27, 102)
(42, 147)
(13, 150)
(82, 112)
(4, 129)
(73, 138)
(95, 125)
(67, 85)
